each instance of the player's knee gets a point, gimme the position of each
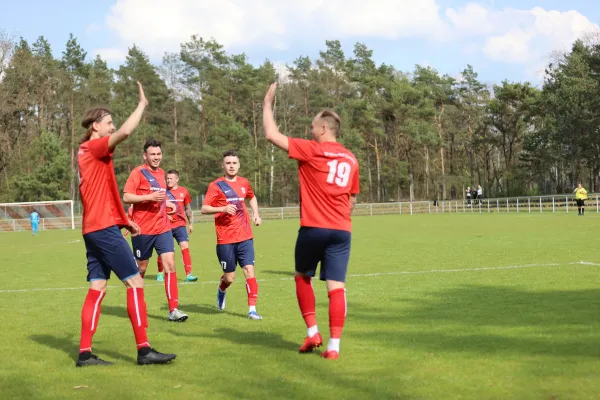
(184, 245)
(99, 285)
(142, 266)
(168, 262)
(248, 271)
(135, 281)
(333, 285)
(229, 277)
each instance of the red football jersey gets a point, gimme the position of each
(181, 198)
(151, 216)
(231, 228)
(98, 189)
(328, 175)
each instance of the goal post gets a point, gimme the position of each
(59, 214)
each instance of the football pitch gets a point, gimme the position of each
(452, 306)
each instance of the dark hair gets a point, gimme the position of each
(92, 115)
(173, 171)
(151, 143)
(230, 153)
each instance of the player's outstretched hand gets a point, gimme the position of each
(257, 220)
(190, 229)
(143, 99)
(230, 209)
(270, 96)
(133, 228)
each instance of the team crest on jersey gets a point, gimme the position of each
(243, 190)
(180, 194)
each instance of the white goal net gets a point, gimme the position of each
(53, 215)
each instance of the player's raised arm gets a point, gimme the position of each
(270, 126)
(131, 123)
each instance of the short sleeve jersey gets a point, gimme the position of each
(329, 175)
(151, 216)
(100, 197)
(231, 228)
(181, 198)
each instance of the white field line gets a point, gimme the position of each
(29, 245)
(428, 271)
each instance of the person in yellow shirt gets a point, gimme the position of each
(580, 197)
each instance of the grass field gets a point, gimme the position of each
(439, 307)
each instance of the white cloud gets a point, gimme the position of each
(158, 26)
(518, 36)
(511, 47)
(92, 28)
(111, 54)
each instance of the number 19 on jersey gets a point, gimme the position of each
(339, 173)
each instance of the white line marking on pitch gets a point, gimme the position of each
(428, 271)
(29, 245)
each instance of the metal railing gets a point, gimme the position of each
(531, 204)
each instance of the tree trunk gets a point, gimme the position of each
(470, 151)
(427, 172)
(272, 175)
(412, 185)
(378, 166)
(41, 114)
(438, 122)
(369, 177)
(204, 122)
(306, 110)
(73, 171)
(254, 128)
(175, 123)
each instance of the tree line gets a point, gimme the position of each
(417, 135)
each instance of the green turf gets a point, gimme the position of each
(422, 322)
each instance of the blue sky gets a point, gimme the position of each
(501, 39)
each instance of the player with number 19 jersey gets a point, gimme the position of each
(329, 175)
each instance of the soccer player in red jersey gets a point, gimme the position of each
(329, 183)
(146, 189)
(107, 250)
(180, 197)
(235, 242)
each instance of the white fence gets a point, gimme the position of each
(532, 204)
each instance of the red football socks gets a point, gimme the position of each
(159, 264)
(90, 314)
(306, 300)
(187, 261)
(172, 290)
(138, 315)
(337, 312)
(252, 289)
(224, 285)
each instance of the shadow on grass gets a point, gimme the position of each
(208, 310)
(122, 313)
(70, 346)
(273, 272)
(488, 319)
(263, 339)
